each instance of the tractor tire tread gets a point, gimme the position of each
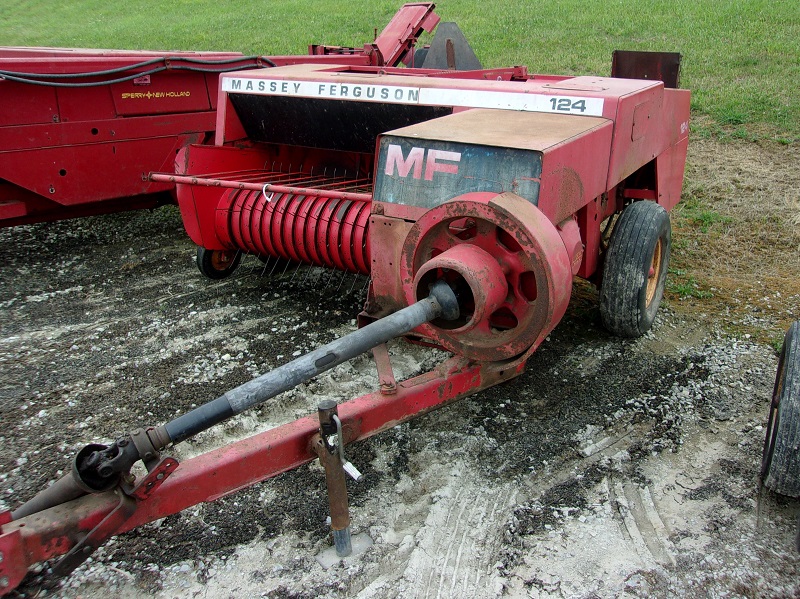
(781, 466)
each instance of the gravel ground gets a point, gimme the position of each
(610, 468)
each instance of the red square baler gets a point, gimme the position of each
(471, 199)
(80, 130)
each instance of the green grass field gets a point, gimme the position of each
(741, 58)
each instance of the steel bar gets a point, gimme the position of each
(266, 188)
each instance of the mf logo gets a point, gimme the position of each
(416, 157)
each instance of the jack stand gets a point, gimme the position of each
(329, 446)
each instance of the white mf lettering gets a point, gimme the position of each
(404, 165)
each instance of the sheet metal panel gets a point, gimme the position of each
(427, 173)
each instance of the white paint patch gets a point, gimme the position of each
(525, 101)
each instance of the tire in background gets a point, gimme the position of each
(780, 464)
(217, 264)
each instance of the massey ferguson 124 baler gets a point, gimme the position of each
(470, 199)
(393, 173)
(80, 130)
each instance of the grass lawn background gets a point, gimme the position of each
(741, 58)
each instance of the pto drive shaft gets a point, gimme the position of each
(98, 468)
(440, 303)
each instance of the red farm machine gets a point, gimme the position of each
(81, 129)
(470, 198)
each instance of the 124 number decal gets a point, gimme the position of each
(568, 104)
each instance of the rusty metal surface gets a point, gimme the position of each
(503, 128)
(655, 66)
(528, 250)
(475, 275)
(49, 534)
(386, 243)
(335, 482)
(106, 529)
(386, 381)
(153, 480)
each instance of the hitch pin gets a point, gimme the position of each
(351, 470)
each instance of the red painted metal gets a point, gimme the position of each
(323, 228)
(519, 245)
(310, 237)
(400, 34)
(470, 264)
(480, 180)
(650, 121)
(68, 151)
(75, 151)
(660, 66)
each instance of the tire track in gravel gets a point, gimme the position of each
(640, 522)
(456, 548)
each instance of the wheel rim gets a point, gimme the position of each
(220, 259)
(654, 273)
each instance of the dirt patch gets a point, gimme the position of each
(736, 237)
(610, 468)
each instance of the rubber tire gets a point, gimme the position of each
(624, 305)
(780, 463)
(208, 263)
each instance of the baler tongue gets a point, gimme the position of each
(99, 468)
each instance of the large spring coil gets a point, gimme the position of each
(315, 230)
